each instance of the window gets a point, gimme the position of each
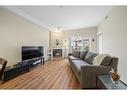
(81, 43)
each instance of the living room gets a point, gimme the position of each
(56, 31)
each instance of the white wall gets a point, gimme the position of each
(15, 32)
(114, 31)
(85, 32)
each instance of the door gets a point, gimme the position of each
(100, 43)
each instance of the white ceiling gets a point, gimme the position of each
(67, 17)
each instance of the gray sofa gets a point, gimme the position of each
(85, 71)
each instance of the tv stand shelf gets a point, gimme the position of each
(34, 61)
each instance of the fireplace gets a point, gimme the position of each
(57, 53)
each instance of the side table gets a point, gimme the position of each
(105, 82)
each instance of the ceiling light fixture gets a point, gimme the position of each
(58, 29)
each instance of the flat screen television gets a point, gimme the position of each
(29, 52)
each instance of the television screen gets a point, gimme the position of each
(29, 52)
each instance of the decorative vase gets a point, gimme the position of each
(115, 76)
(57, 42)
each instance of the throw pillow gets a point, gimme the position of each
(106, 61)
(83, 54)
(102, 59)
(89, 57)
(76, 54)
(73, 52)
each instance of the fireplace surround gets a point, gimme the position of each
(57, 53)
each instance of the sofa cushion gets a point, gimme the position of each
(83, 54)
(76, 53)
(78, 64)
(90, 56)
(72, 57)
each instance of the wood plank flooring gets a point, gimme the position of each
(55, 74)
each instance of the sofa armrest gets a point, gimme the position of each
(89, 73)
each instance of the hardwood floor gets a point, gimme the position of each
(55, 74)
